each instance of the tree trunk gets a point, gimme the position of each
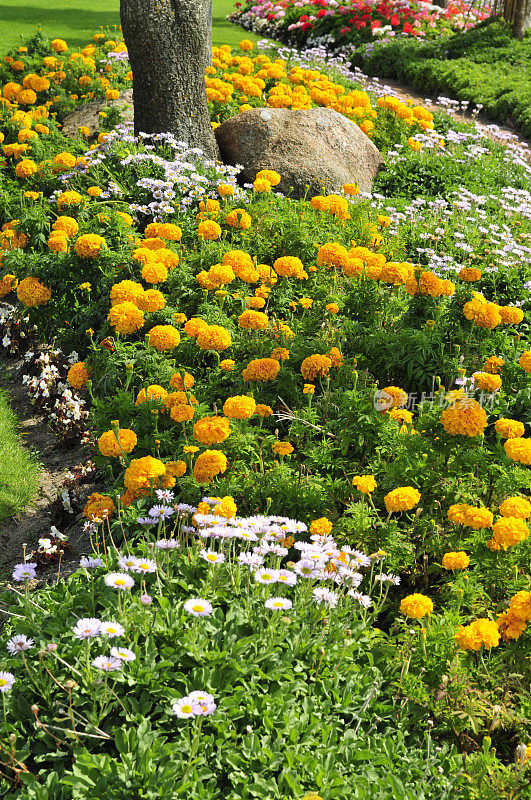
(519, 19)
(168, 43)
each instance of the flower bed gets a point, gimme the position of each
(332, 394)
(350, 24)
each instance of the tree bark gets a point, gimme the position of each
(168, 43)
(519, 19)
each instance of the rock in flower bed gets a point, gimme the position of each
(332, 394)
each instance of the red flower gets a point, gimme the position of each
(407, 28)
(306, 26)
(395, 20)
(321, 13)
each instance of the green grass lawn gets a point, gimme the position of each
(18, 468)
(76, 20)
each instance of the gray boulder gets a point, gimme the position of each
(87, 114)
(319, 148)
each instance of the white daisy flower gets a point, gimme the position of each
(198, 607)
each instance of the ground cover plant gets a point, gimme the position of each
(310, 546)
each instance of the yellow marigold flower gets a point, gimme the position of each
(306, 302)
(383, 221)
(397, 396)
(401, 415)
(282, 448)
(516, 507)
(59, 45)
(227, 365)
(154, 272)
(261, 369)
(151, 300)
(239, 407)
(465, 418)
(143, 473)
(214, 337)
(153, 392)
(493, 545)
(64, 161)
(208, 465)
(225, 190)
(261, 185)
(364, 483)
(458, 560)
(255, 303)
(182, 412)
(477, 517)
(31, 292)
(58, 242)
(508, 531)
(226, 508)
(520, 605)
(211, 430)
(66, 225)
(416, 606)
(90, 245)
(179, 319)
(163, 337)
(488, 316)
(26, 97)
(493, 364)
(253, 320)
(336, 357)
(209, 230)
(511, 627)
(176, 381)
(98, 507)
(321, 526)
(263, 410)
(32, 195)
(470, 274)
(509, 428)
(127, 291)
(238, 218)
(78, 375)
(7, 284)
(332, 308)
(525, 360)
(404, 498)
(269, 175)
(26, 168)
(511, 315)
(190, 449)
(487, 382)
(126, 317)
(332, 255)
(246, 45)
(518, 450)
(457, 513)
(194, 326)
(480, 632)
(178, 398)
(115, 444)
(394, 272)
(351, 188)
(315, 366)
(242, 265)
(94, 191)
(280, 353)
(289, 267)
(69, 199)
